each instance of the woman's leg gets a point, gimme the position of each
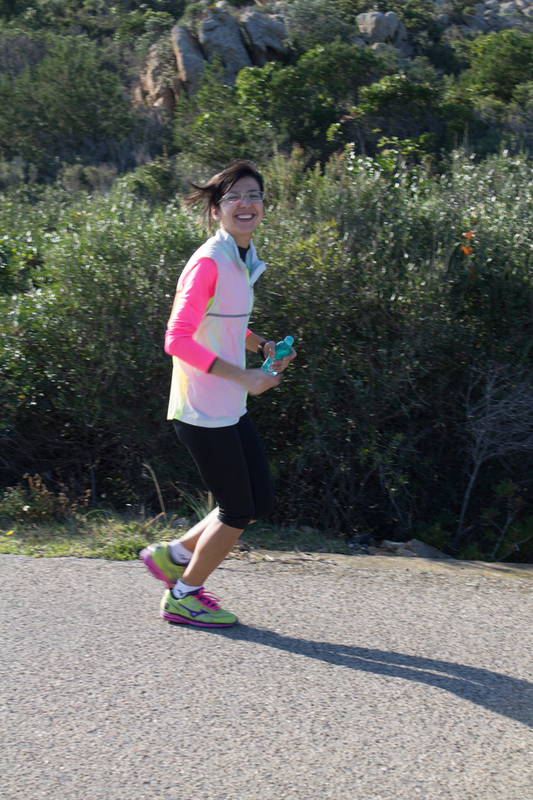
(221, 462)
(213, 545)
(190, 538)
(243, 454)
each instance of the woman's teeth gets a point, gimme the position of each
(244, 216)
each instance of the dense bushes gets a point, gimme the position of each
(63, 100)
(405, 294)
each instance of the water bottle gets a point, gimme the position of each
(282, 349)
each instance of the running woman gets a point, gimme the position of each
(207, 336)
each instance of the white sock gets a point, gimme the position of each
(181, 589)
(179, 553)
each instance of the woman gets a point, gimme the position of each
(207, 337)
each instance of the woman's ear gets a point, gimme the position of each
(214, 212)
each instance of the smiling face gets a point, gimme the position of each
(240, 219)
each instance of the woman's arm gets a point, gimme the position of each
(253, 341)
(195, 290)
(255, 381)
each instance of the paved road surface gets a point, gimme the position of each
(365, 684)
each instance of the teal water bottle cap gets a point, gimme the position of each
(288, 340)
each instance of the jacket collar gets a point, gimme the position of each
(253, 264)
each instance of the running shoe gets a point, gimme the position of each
(197, 608)
(157, 558)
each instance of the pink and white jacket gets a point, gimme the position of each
(210, 319)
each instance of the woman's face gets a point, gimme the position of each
(242, 218)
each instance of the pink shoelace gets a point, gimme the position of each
(207, 599)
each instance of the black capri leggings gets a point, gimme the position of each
(233, 466)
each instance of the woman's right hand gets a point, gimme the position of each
(257, 381)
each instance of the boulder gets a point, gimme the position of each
(423, 550)
(381, 48)
(220, 35)
(265, 34)
(494, 21)
(476, 22)
(412, 548)
(509, 9)
(401, 41)
(397, 548)
(189, 56)
(377, 27)
(493, 5)
(158, 81)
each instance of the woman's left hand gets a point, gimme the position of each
(269, 349)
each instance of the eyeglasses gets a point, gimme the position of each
(235, 197)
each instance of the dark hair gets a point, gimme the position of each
(214, 190)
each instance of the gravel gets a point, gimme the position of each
(364, 684)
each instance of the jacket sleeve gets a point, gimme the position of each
(195, 289)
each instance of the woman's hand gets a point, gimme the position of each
(257, 381)
(269, 349)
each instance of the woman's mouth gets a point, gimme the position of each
(244, 217)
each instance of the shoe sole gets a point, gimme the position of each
(177, 618)
(152, 567)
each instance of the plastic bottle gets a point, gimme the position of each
(282, 349)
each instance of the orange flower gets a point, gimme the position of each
(468, 234)
(467, 250)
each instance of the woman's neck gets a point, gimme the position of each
(241, 240)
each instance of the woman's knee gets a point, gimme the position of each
(236, 517)
(264, 507)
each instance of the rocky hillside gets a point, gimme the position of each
(251, 35)
(112, 88)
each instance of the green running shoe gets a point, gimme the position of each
(157, 558)
(197, 608)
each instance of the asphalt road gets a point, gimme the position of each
(340, 682)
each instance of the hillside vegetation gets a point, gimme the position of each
(399, 243)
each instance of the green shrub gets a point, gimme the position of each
(501, 61)
(317, 22)
(36, 503)
(214, 127)
(70, 102)
(398, 286)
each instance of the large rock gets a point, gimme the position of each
(160, 88)
(265, 34)
(509, 9)
(397, 548)
(414, 547)
(189, 56)
(423, 550)
(220, 35)
(476, 22)
(377, 27)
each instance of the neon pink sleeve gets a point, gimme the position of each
(195, 289)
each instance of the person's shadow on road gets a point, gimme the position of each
(510, 697)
